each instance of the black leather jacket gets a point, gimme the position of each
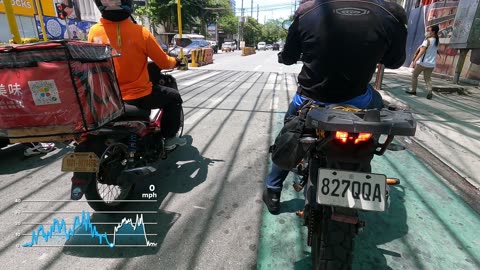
(341, 41)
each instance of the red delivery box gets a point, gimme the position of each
(57, 88)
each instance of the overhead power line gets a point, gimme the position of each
(269, 6)
(271, 9)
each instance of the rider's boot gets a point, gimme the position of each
(272, 201)
(172, 143)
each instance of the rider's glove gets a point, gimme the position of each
(180, 63)
(280, 58)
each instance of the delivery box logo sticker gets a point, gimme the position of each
(44, 92)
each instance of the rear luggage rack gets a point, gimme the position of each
(384, 121)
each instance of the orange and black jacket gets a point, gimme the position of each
(135, 44)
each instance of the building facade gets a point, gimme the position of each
(233, 4)
(81, 15)
(425, 13)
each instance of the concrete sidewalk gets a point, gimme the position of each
(448, 125)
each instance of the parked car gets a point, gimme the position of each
(261, 46)
(276, 47)
(163, 45)
(187, 51)
(268, 47)
(229, 46)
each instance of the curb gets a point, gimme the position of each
(451, 89)
(420, 126)
(450, 78)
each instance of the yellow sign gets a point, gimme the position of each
(27, 7)
(20, 7)
(48, 8)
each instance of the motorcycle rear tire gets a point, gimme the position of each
(332, 244)
(182, 124)
(94, 199)
(97, 203)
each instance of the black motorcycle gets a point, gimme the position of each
(336, 172)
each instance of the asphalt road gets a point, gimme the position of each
(209, 214)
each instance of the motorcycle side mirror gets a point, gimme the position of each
(183, 42)
(286, 24)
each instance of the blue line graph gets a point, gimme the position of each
(60, 227)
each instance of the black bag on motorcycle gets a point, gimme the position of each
(287, 151)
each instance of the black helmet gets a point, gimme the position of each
(115, 10)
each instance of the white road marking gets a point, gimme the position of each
(274, 103)
(272, 78)
(199, 79)
(196, 116)
(43, 256)
(202, 112)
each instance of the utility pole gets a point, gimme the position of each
(242, 22)
(258, 11)
(216, 29)
(295, 9)
(251, 12)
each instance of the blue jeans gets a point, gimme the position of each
(277, 176)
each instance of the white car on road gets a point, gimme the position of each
(261, 46)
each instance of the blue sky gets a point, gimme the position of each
(269, 9)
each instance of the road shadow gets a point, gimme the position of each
(380, 228)
(292, 206)
(13, 161)
(183, 170)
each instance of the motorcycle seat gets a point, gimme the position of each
(135, 112)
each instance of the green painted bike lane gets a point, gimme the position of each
(427, 225)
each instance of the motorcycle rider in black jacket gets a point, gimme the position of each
(340, 43)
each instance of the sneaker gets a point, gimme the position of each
(173, 142)
(272, 201)
(429, 95)
(34, 149)
(78, 188)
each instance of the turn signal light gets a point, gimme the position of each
(363, 137)
(344, 137)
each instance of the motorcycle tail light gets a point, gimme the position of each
(341, 136)
(345, 137)
(363, 137)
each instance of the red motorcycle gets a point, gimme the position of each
(116, 156)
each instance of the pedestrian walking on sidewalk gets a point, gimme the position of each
(424, 60)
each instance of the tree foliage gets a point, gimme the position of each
(229, 24)
(252, 31)
(165, 12)
(203, 12)
(273, 32)
(194, 12)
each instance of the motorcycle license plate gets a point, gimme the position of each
(364, 191)
(81, 162)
